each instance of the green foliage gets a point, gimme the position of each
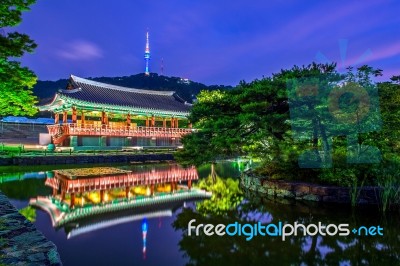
(226, 195)
(29, 213)
(16, 82)
(388, 139)
(253, 119)
(216, 114)
(10, 11)
(388, 179)
(24, 190)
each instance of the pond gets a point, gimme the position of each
(154, 232)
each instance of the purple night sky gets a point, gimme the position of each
(213, 42)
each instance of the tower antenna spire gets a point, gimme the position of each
(147, 54)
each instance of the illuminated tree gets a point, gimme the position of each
(29, 213)
(226, 195)
(16, 81)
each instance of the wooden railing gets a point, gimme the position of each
(123, 180)
(124, 131)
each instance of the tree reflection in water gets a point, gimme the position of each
(295, 250)
(226, 195)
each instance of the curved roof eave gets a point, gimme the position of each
(126, 109)
(51, 105)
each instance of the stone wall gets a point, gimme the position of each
(20, 242)
(21, 131)
(84, 159)
(308, 192)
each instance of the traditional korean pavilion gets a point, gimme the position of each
(88, 193)
(90, 113)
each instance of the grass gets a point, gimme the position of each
(390, 193)
(9, 151)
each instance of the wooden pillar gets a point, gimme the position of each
(82, 118)
(147, 122)
(127, 189)
(128, 120)
(74, 116)
(172, 123)
(152, 189)
(104, 118)
(72, 204)
(62, 195)
(172, 187)
(56, 118)
(54, 192)
(176, 123)
(65, 117)
(164, 123)
(190, 184)
(107, 119)
(153, 121)
(101, 196)
(190, 125)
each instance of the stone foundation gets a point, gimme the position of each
(308, 192)
(85, 159)
(20, 242)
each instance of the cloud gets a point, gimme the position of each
(80, 50)
(387, 51)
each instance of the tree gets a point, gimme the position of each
(252, 119)
(257, 119)
(389, 105)
(16, 81)
(216, 113)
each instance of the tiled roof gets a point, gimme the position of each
(101, 93)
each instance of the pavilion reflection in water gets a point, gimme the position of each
(89, 199)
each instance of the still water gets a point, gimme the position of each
(155, 233)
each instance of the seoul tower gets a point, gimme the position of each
(147, 55)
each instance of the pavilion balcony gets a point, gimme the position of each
(60, 131)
